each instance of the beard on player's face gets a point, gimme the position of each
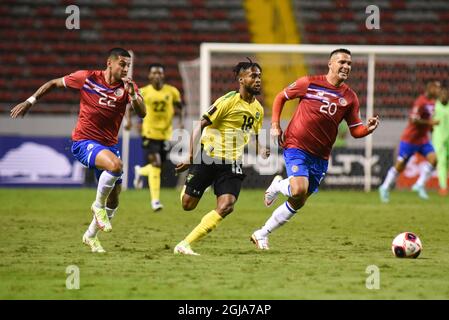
(253, 89)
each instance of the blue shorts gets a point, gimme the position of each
(85, 151)
(300, 163)
(406, 150)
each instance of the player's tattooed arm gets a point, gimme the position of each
(264, 152)
(194, 143)
(22, 108)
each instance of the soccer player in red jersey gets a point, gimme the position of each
(325, 101)
(415, 139)
(104, 97)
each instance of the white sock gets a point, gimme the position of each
(280, 216)
(92, 230)
(425, 174)
(390, 179)
(284, 187)
(105, 185)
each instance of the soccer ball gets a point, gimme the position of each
(406, 245)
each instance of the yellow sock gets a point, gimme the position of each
(154, 182)
(207, 224)
(145, 171)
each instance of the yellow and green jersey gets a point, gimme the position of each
(160, 111)
(440, 132)
(233, 121)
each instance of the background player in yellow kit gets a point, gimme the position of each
(162, 101)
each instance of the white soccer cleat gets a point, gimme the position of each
(421, 191)
(271, 194)
(260, 241)
(93, 243)
(156, 205)
(184, 248)
(137, 182)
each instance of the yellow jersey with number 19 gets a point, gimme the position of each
(160, 111)
(233, 121)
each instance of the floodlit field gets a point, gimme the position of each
(323, 253)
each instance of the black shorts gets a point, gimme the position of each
(226, 178)
(152, 146)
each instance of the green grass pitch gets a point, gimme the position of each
(323, 253)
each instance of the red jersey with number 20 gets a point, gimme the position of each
(423, 108)
(102, 106)
(322, 107)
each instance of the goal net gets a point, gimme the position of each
(387, 80)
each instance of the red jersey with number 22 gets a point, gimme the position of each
(102, 106)
(322, 107)
(423, 108)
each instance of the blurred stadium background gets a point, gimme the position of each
(36, 47)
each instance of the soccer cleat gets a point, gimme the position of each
(101, 216)
(93, 243)
(442, 192)
(184, 248)
(272, 192)
(137, 182)
(260, 242)
(156, 205)
(421, 191)
(384, 194)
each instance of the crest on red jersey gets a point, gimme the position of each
(342, 101)
(118, 92)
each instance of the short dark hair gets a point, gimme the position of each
(156, 65)
(115, 52)
(343, 50)
(244, 66)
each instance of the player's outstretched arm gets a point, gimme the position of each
(22, 108)
(194, 142)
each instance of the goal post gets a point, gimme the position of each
(126, 135)
(369, 54)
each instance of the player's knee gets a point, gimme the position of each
(298, 191)
(225, 208)
(188, 204)
(116, 166)
(433, 161)
(154, 160)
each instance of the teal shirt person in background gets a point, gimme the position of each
(440, 139)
